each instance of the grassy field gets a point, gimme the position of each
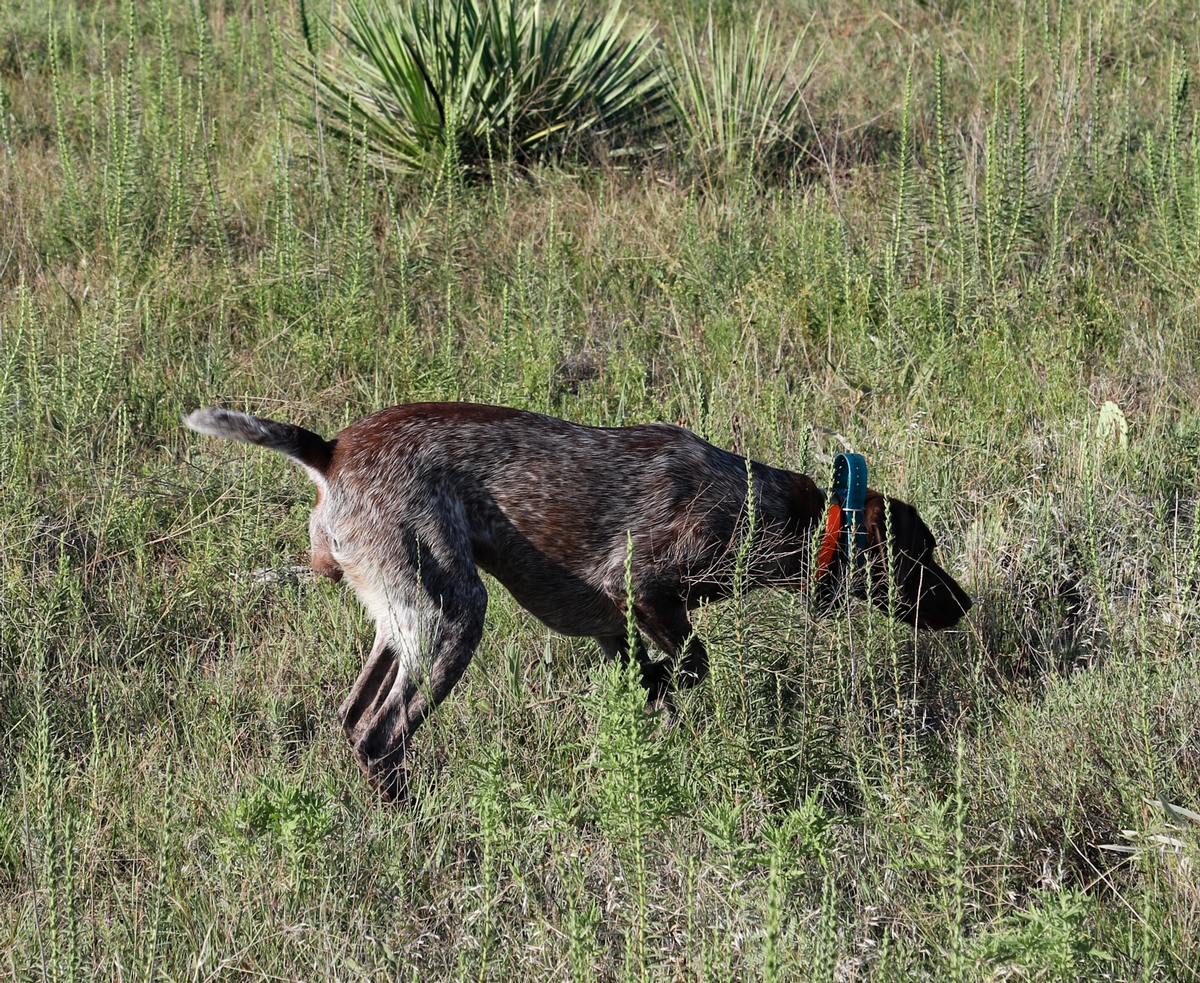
(989, 229)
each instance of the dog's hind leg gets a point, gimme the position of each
(428, 623)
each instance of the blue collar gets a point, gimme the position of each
(846, 532)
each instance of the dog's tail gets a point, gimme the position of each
(301, 445)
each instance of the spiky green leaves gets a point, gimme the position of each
(483, 80)
(735, 95)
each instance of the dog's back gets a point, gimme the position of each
(543, 499)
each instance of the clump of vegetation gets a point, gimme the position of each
(473, 84)
(735, 96)
(279, 820)
(486, 80)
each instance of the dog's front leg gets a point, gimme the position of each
(656, 676)
(666, 624)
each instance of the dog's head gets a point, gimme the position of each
(905, 575)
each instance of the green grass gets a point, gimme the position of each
(989, 227)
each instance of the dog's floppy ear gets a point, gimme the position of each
(925, 595)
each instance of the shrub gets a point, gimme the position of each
(736, 111)
(482, 79)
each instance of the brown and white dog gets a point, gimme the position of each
(414, 500)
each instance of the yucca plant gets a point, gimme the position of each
(487, 78)
(735, 94)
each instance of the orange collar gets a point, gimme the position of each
(829, 542)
